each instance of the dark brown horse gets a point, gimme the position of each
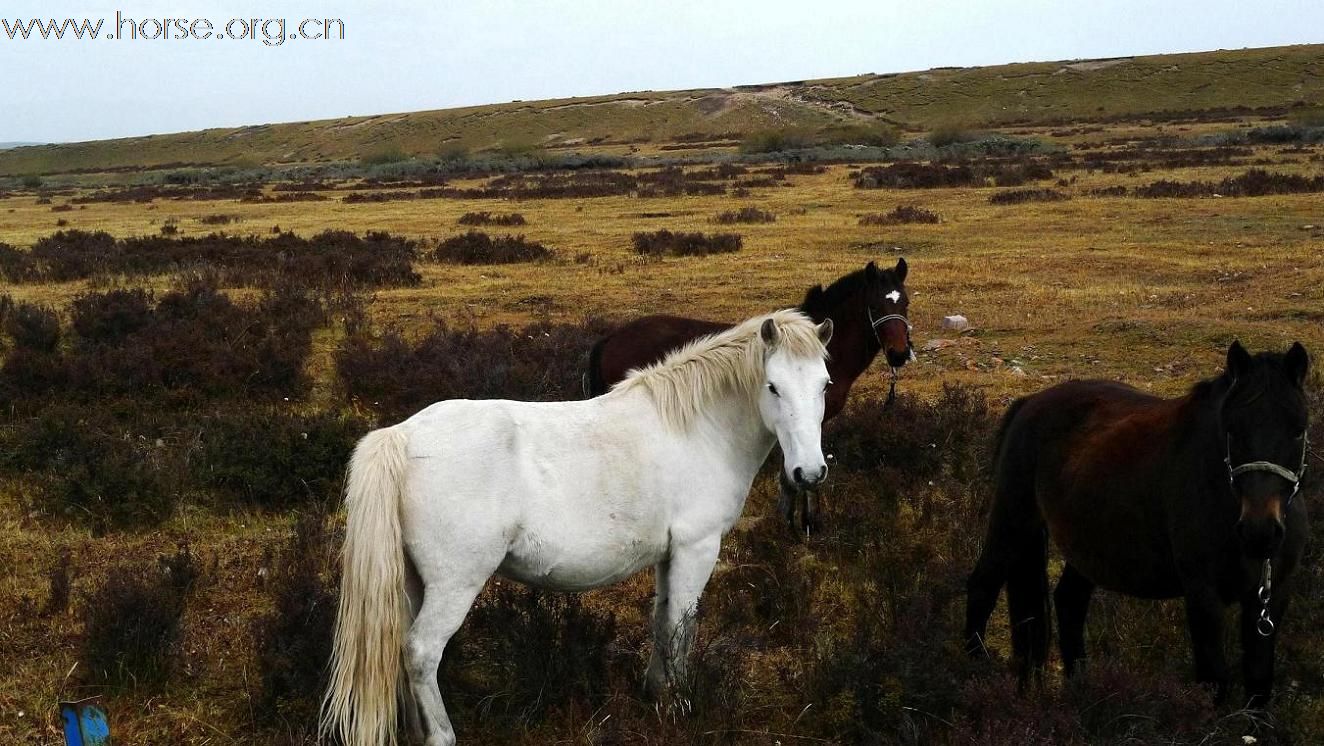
(1155, 498)
(868, 310)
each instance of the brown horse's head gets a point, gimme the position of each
(1265, 417)
(888, 306)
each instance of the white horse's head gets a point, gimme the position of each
(791, 403)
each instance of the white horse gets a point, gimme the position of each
(560, 495)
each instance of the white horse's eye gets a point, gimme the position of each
(773, 390)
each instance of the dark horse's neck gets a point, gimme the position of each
(1201, 430)
(853, 345)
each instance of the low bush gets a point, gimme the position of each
(193, 343)
(293, 642)
(548, 649)
(915, 175)
(476, 247)
(664, 242)
(84, 464)
(330, 259)
(909, 175)
(744, 215)
(275, 460)
(775, 141)
(133, 624)
(395, 378)
(487, 218)
(902, 215)
(946, 135)
(1021, 196)
(1253, 183)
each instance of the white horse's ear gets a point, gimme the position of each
(825, 331)
(769, 333)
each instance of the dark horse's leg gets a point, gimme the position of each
(787, 497)
(1072, 599)
(792, 497)
(1027, 603)
(1257, 651)
(1015, 553)
(1204, 618)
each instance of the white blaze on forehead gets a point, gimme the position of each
(893, 296)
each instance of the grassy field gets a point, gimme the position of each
(847, 637)
(1040, 93)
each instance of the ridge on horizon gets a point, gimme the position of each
(1038, 93)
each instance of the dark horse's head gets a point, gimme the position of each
(888, 305)
(882, 305)
(1264, 422)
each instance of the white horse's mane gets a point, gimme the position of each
(685, 382)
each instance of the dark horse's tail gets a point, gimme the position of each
(1015, 554)
(594, 385)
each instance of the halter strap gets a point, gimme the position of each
(875, 323)
(1280, 471)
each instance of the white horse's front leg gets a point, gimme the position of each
(680, 581)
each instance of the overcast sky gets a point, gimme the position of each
(429, 54)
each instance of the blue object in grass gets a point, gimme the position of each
(85, 723)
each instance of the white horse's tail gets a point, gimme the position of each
(362, 698)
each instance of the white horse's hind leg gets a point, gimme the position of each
(680, 582)
(413, 717)
(446, 601)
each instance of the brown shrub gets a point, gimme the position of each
(1021, 196)
(745, 215)
(330, 258)
(390, 376)
(293, 642)
(487, 218)
(903, 214)
(476, 247)
(133, 622)
(664, 242)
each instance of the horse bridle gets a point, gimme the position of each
(1264, 625)
(874, 324)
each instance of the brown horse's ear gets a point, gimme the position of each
(901, 269)
(1238, 360)
(871, 272)
(1297, 362)
(825, 331)
(769, 333)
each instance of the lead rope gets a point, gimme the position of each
(1265, 625)
(891, 392)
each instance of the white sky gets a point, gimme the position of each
(429, 54)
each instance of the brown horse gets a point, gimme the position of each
(868, 309)
(1155, 498)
